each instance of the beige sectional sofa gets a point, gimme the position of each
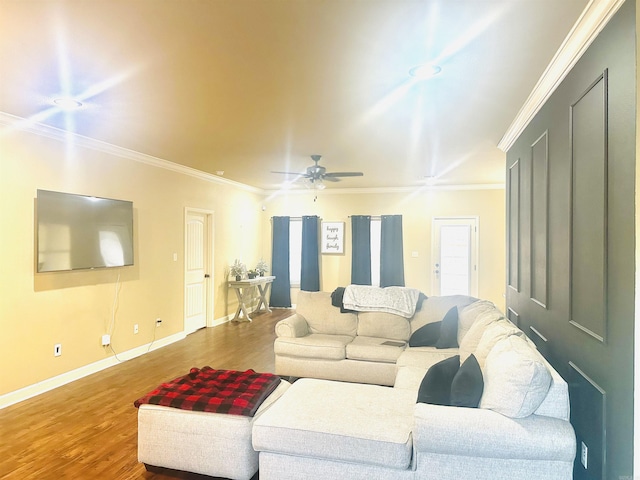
(322, 428)
(364, 347)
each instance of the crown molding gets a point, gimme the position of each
(15, 123)
(591, 22)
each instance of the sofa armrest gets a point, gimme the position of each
(476, 432)
(293, 326)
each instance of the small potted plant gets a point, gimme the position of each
(252, 274)
(262, 267)
(237, 270)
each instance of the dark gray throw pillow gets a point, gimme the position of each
(449, 330)
(426, 335)
(468, 384)
(436, 384)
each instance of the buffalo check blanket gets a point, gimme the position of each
(216, 391)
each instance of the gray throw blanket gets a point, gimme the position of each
(397, 300)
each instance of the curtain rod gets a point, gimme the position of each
(297, 218)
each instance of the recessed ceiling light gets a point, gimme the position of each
(425, 71)
(220, 172)
(67, 103)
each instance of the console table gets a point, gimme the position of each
(244, 291)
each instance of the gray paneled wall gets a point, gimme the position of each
(589, 200)
(571, 248)
(539, 240)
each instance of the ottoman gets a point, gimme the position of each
(212, 444)
(324, 429)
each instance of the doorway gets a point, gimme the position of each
(454, 254)
(198, 265)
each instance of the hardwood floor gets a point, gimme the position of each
(88, 429)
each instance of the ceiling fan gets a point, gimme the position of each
(316, 174)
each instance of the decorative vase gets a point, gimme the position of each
(262, 274)
(238, 278)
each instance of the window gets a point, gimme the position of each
(376, 234)
(295, 251)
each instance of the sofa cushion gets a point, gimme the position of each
(374, 349)
(426, 335)
(346, 422)
(384, 325)
(470, 340)
(316, 345)
(493, 333)
(516, 379)
(323, 317)
(470, 313)
(433, 309)
(436, 384)
(467, 385)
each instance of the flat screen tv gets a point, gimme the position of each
(77, 232)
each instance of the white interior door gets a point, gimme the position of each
(454, 256)
(197, 261)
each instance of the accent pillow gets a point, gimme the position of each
(426, 335)
(449, 330)
(470, 341)
(516, 379)
(467, 385)
(494, 332)
(436, 384)
(470, 313)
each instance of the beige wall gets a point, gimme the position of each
(74, 308)
(418, 210)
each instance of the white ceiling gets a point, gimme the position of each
(251, 86)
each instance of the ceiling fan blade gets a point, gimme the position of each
(293, 173)
(343, 174)
(330, 179)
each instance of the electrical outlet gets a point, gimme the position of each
(57, 350)
(106, 340)
(135, 329)
(584, 452)
(158, 322)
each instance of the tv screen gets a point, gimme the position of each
(80, 232)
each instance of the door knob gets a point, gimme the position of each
(206, 275)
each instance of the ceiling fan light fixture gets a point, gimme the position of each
(314, 184)
(425, 71)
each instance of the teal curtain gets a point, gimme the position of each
(310, 264)
(391, 252)
(361, 249)
(281, 287)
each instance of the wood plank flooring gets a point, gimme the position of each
(88, 429)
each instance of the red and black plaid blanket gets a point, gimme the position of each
(217, 391)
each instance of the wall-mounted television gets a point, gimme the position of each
(77, 232)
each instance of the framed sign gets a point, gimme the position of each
(332, 237)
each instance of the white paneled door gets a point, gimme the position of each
(454, 256)
(197, 261)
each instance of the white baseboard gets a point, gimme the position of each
(229, 317)
(25, 393)
(222, 320)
